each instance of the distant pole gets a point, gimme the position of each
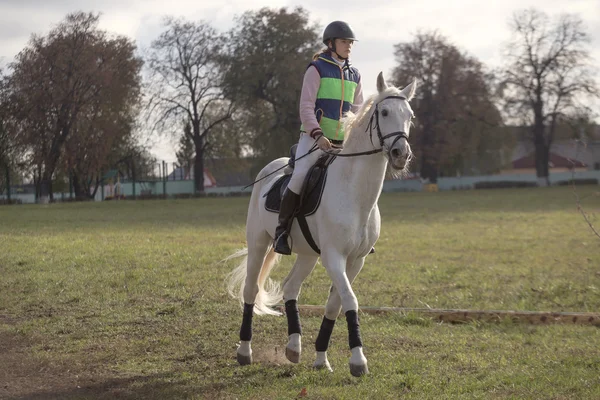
(71, 185)
(8, 184)
(164, 178)
(102, 186)
(133, 178)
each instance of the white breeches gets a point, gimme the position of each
(302, 166)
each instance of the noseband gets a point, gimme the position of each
(375, 117)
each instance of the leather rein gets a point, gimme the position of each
(370, 127)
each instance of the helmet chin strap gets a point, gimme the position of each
(340, 57)
(336, 53)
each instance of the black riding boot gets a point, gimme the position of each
(289, 203)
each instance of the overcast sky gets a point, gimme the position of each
(477, 27)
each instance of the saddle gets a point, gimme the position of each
(310, 195)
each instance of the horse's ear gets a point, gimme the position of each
(381, 84)
(409, 91)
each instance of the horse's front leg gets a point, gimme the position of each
(335, 265)
(332, 310)
(291, 290)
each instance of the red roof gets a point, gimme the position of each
(555, 161)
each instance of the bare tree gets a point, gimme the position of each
(547, 73)
(76, 73)
(456, 126)
(107, 122)
(186, 150)
(98, 136)
(185, 84)
(7, 147)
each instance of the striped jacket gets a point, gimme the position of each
(335, 95)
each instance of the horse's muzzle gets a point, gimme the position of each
(399, 156)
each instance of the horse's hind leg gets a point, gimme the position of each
(358, 363)
(291, 290)
(257, 249)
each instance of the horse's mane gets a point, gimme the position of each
(351, 120)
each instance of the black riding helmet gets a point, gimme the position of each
(338, 29)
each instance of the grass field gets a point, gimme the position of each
(126, 300)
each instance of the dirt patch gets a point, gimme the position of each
(25, 373)
(22, 374)
(274, 355)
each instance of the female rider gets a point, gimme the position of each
(331, 87)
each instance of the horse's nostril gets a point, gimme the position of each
(395, 153)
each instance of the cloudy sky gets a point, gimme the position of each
(477, 27)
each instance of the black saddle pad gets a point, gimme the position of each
(310, 198)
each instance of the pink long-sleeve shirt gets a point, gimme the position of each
(308, 97)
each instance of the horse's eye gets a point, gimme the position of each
(384, 113)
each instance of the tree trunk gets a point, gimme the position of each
(429, 158)
(542, 148)
(4, 166)
(429, 169)
(542, 158)
(46, 195)
(97, 183)
(37, 179)
(79, 188)
(199, 167)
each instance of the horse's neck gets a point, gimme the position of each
(361, 177)
(358, 140)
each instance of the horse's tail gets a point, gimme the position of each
(269, 292)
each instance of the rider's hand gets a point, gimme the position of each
(324, 143)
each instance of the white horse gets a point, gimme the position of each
(345, 227)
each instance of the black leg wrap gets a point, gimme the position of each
(324, 337)
(293, 317)
(246, 329)
(353, 331)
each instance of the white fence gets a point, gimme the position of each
(173, 188)
(469, 182)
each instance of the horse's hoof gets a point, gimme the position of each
(244, 360)
(292, 355)
(359, 370)
(320, 367)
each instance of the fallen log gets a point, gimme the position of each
(457, 316)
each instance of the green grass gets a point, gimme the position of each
(126, 300)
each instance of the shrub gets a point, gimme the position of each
(504, 184)
(12, 201)
(580, 181)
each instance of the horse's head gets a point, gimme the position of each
(391, 121)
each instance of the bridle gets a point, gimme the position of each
(398, 134)
(370, 127)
